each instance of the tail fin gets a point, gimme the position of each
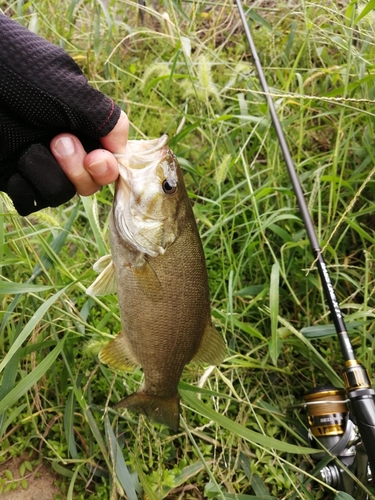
(158, 409)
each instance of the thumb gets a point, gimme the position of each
(116, 140)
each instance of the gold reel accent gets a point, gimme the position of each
(326, 409)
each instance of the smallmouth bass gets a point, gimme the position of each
(158, 270)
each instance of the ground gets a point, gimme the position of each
(40, 481)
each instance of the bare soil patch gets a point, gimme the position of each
(40, 482)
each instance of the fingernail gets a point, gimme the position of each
(98, 167)
(64, 146)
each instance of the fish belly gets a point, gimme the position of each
(164, 308)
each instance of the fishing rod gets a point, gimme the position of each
(357, 381)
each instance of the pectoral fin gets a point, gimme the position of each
(212, 348)
(118, 354)
(105, 283)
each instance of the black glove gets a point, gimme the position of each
(43, 93)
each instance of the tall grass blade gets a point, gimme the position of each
(68, 425)
(258, 486)
(70, 494)
(341, 495)
(31, 379)
(274, 343)
(29, 327)
(239, 496)
(240, 430)
(10, 372)
(56, 246)
(151, 495)
(212, 484)
(9, 288)
(119, 464)
(12, 417)
(89, 204)
(316, 357)
(366, 10)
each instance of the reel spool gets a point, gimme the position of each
(327, 412)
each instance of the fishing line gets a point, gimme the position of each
(356, 378)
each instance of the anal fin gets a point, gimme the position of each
(118, 355)
(212, 348)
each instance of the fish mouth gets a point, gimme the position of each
(137, 167)
(140, 153)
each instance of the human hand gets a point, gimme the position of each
(46, 103)
(88, 171)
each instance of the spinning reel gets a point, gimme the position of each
(332, 424)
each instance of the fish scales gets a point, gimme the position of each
(162, 287)
(162, 326)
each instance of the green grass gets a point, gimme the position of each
(187, 72)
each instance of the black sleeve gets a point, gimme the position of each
(43, 93)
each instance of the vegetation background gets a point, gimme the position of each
(184, 68)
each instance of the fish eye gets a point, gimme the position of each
(169, 187)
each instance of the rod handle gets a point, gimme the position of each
(363, 408)
(362, 399)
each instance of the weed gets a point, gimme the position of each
(187, 72)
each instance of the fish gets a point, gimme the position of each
(158, 270)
